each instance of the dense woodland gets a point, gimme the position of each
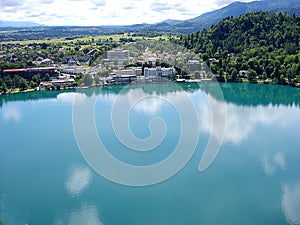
(265, 45)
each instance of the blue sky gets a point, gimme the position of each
(105, 12)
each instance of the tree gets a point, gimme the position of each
(23, 83)
(234, 73)
(97, 79)
(47, 77)
(4, 87)
(33, 84)
(36, 78)
(44, 46)
(8, 81)
(252, 74)
(87, 80)
(116, 61)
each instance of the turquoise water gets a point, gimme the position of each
(254, 179)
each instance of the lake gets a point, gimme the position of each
(148, 154)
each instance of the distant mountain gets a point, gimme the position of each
(201, 22)
(18, 24)
(234, 9)
(238, 8)
(171, 22)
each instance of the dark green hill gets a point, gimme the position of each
(265, 45)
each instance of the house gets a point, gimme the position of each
(244, 73)
(123, 79)
(92, 52)
(45, 85)
(61, 83)
(138, 71)
(46, 62)
(194, 65)
(62, 80)
(213, 60)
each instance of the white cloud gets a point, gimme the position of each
(104, 12)
(291, 203)
(78, 180)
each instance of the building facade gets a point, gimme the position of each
(194, 65)
(120, 54)
(157, 72)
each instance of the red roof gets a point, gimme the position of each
(29, 69)
(13, 70)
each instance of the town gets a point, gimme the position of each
(89, 62)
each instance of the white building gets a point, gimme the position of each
(194, 65)
(120, 54)
(158, 72)
(167, 72)
(150, 72)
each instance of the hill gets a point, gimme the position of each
(234, 9)
(265, 45)
(4, 23)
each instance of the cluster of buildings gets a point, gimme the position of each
(59, 81)
(128, 76)
(117, 57)
(55, 79)
(131, 75)
(33, 53)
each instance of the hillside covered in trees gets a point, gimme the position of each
(257, 46)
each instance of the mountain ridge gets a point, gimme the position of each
(201, 22)
(236, 9)
(5, 23)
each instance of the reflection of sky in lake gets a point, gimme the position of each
(274, 163)
(11, 113)
(291, 202)
(78, 180)
(242, 120)
(87, 214)
(254, 179)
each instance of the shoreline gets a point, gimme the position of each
(259, 82)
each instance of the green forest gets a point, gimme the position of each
(263, 46)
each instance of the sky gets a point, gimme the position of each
(105, 12)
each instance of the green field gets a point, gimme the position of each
(114, 37)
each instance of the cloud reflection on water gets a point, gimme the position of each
(11, 113)
(87, 214)
(66, 97)
(270, 165)
(78, 180)
(240, 120)
(290, 202)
